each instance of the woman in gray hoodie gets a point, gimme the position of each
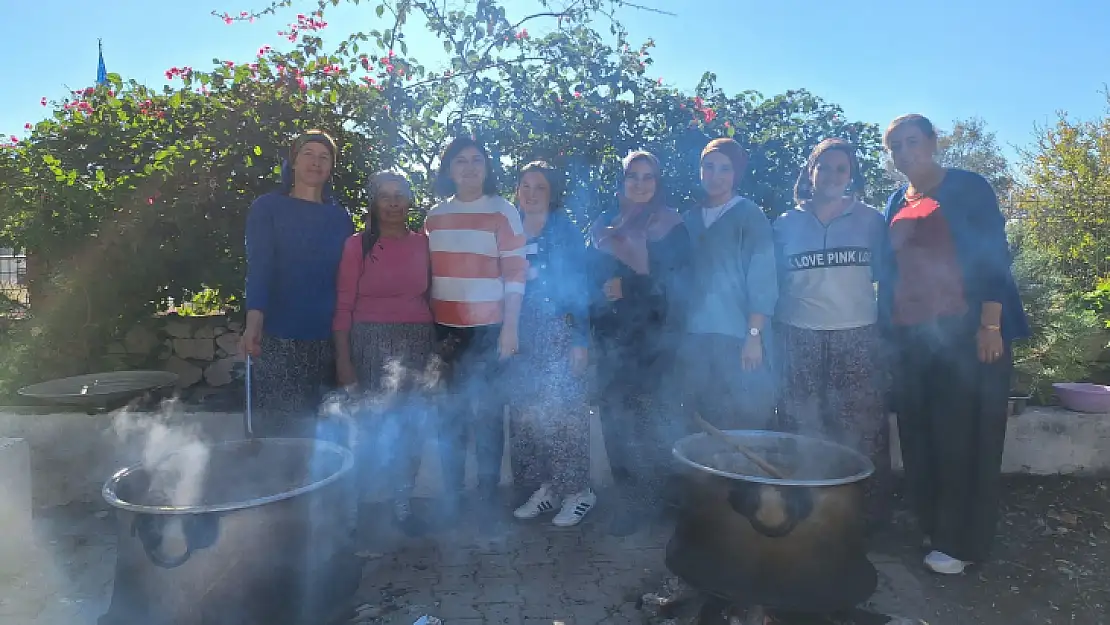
(727, 350)
(827, 314)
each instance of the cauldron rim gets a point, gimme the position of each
(868, 468)
(108, 492)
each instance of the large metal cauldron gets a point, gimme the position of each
(264, 535)
(796, 544)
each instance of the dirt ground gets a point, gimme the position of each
(1051, 561)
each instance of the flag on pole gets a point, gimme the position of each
(101, 71)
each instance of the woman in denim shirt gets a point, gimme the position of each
(550, 425)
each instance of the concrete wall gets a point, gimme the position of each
(72, 454)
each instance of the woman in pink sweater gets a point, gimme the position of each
(383, 339)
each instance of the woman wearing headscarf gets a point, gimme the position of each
(294, 241)
(551, 420)
(833, 382)
(639, 257)
(727, 363)
(950, 302)
(383, 341)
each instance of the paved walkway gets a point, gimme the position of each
(528, 573)
(535, 573)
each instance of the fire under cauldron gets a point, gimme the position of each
(757, 543)
(263, 535)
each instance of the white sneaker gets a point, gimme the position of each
(575, 508)
(944, 564)
(541, 501)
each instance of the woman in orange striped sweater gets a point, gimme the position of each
(478, 273)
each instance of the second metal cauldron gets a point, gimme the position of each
(796, 544)
(266, 538)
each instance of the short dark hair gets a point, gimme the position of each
(554, 181)
(803, 187)
(444, 186)
(913, 119)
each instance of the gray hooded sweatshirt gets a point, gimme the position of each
(827, 270)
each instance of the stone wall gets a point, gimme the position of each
(203, 351)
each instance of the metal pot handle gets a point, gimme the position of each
(744, 497)
(200, 531)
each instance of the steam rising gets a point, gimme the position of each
(175, 454)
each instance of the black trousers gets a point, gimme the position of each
(473, 402)
(952, 428)
(641, 418)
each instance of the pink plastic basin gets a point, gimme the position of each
(1082, 397)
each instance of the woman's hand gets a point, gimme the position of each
(507, 343)
(612, 289)
(250, 343)
(751, 356)
(345, 373)
(579, 359)
(989, 340)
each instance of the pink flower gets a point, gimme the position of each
(263, 50)
(111, 93)
(27, 126)
(43, 101)
(244, 14)
(660, 81)
(710, 115)
(578, 94)
(728, 124)
(150, 201)
(14, 139)
(227, 19)
(389, 68)
(229, 63)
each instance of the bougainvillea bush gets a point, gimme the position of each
(126, 195)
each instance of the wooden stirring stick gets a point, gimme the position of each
(769, 468)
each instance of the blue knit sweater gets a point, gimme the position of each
(293, 252)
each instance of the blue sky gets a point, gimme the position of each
(1014, 63)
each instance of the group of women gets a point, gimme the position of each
(719, 311)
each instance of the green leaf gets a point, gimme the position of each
(258, 150)
(380, 10)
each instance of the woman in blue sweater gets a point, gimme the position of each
(949, 302)
(295, 238)
(733, 291)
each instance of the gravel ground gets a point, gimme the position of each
(1050, 563)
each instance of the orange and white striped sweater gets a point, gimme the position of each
(477, 257)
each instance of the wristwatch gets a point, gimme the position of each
(753, 331)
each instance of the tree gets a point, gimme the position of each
(971, 146)
(1065, 206)
(131, 195)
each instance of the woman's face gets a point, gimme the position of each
(910, 149)
(717, 175)
(533, 194)
(468, 170)
(312, 165)
(639, 181)
(831, 175)
(392, 202)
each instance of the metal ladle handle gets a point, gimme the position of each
(247, 417)
(771, 469)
